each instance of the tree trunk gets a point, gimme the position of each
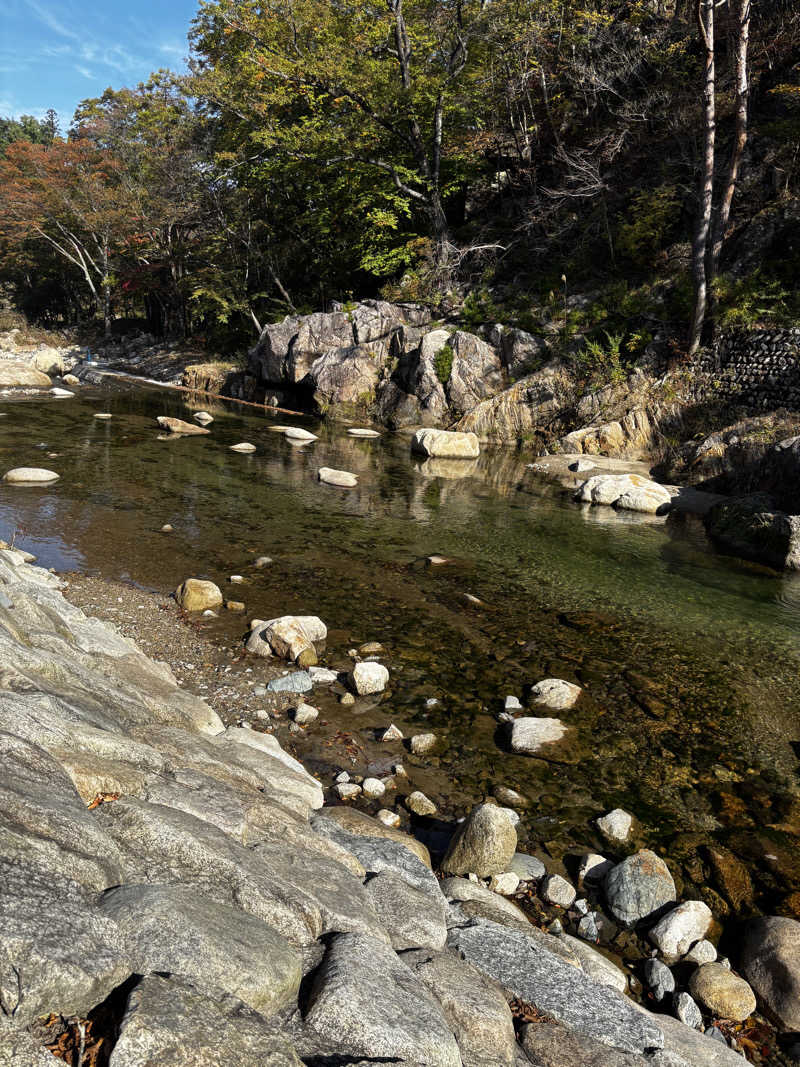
(740, 136)
(705, 17)
(106, 295)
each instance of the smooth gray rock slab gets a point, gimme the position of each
(412, 917)
(597, 966)
(530, 971)
(58, 953)
(548, 1044)
(178, 930)
(497, 907)
(170, 1024)
(382, 854)
(638, 887)
(473, 1005)
(42, 818)
(366, 1002)
(770, 961)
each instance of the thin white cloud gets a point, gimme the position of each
(178, 50)
(52, 21)
(85, 72)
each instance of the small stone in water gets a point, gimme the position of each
(371, 648)
(422, 743)
(420, 804)
(505, 716)
(557, 890)
(237, 579)
(431, 702)
(529, 868)
(305, 713)
(510, 797)
(342, 776)
(437, 560)
(399, 770)
(167, 527)
(391, 733)
(209, 614)
(505, 884)
(616, 826)
(262, 561)
(388, 818)
(234, 605)
(373, 787)
(347, 699)
(347, 791)
(513, 704)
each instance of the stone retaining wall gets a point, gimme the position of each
(759, 368)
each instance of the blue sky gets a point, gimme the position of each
(55, 53)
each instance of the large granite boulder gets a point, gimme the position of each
(751, 527)
(529, 406)
(770, 961)
(639, 887)
(483, 844)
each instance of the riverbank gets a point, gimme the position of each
(138, 797)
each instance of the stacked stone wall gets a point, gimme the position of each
(758, 368)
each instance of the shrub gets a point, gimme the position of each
(443, 363)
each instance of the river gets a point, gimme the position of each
(689, 659)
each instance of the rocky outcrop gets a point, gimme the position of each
(752, 527)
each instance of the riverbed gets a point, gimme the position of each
(689, 659)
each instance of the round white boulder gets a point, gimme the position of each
(30, 476)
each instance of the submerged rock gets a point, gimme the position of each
(616, 827)
(555, 693)
(297, 433)
(529, 734)
(243, 446)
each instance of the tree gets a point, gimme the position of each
(710, 232)
(69, 196)
(383, 89)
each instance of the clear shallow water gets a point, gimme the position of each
(689, 659)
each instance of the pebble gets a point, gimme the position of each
(422, 743)
(322, 676)
(262, 561)
(391, 733)
(373, 788)
(342, 776)
(203, 418)
(167, 528)
(420, 804)
(506, 884)
(616, 826)
(659, 978)
(388, 818)
(347, 700)
(431, 702)
(243, 446)
(236, 579)
(436, 561)
(581, 906)
(209, 614)
(304, 714)
(234, 605)
(102, 415)
(348, 790)
(399, 771)
(557, 890)
(371, 648)
(688, 1012)
(513, 704)
(358, 431)
(529, 868)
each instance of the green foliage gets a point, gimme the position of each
(480, 308)
(603, 364)
(652, 217)
(443, 363)
(754, 300)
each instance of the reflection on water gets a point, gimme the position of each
(689, 658)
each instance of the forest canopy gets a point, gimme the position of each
(435, 150)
